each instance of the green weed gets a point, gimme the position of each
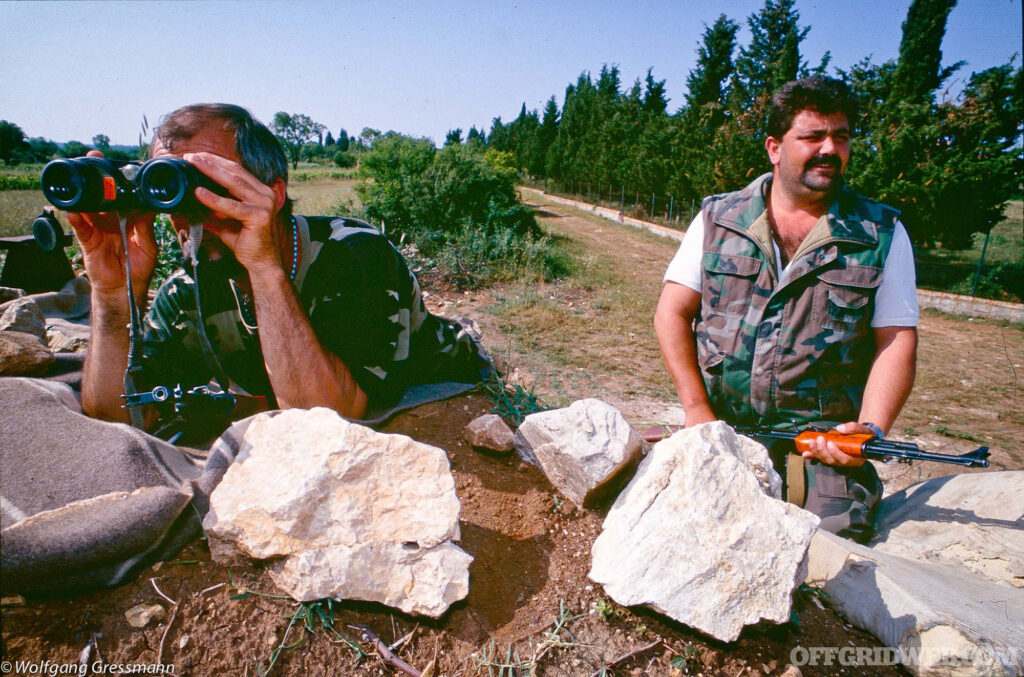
(512, 402)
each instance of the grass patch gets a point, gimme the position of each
(18, 209)
(1002, 274)
(321, 196)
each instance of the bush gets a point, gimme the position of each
(344, 159)
(459, 207)
(19, 181)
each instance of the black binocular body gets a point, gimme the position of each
(93, 184)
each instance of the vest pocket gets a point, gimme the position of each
(848, 295)
(728, 283)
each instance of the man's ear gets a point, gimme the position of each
(280, 189)
(774, 148)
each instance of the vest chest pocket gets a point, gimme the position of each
(728, 284)
(848, 295)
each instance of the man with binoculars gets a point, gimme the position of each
(302, 311)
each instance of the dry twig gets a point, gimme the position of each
(384, 652)
(212, 588)
(625, 657)
(160, 653)
(161, 593)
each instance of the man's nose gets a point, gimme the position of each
(828, 146)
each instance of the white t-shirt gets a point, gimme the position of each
(895, 301)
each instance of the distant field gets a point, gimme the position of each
(18, 208)
(323, 197)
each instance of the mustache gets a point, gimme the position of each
(831, 161)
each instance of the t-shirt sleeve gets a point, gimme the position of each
(685, 268)
(896, 299)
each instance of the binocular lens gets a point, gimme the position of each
(163, 186)
(62, 183)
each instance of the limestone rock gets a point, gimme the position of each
(140, 615)
(23, 315)
(938, 584)
(697, 536)
(64, 336)
(23, 355)
(8, 293)
(582, 449)
(343, 512)
(974, 521)
(490, 432)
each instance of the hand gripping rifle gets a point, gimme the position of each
(869, 446)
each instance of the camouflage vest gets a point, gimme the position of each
(796, 349)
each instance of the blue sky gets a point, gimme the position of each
(70, 70)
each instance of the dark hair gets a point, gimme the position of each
(258, 149)
(817, 93)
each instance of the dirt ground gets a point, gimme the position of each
(531, 608)
(531, 554)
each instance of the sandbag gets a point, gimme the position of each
(85, 503)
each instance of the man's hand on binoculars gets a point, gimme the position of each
(256, 237)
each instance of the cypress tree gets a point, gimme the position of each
(919, 73)
(706, 82)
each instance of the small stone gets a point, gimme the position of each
(22, 314)
(491, 433)
(13, 600)
(183, 642)
(10, 293)
(23, 355)
(140, 615)
(791, 671)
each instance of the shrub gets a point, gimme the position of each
(19, 181)
(344, 159)
(459, 206)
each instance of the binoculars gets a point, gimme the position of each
(93, 184)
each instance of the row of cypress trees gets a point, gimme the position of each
(949, 164)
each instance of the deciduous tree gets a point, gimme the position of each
(294, 130)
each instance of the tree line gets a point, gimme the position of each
(950, 165)
(302, 138)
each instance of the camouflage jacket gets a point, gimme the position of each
(363, 303)
(796, 349)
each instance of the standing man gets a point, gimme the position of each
(299, 311)
(793, 301)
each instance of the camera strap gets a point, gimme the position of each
(195, 238)
(134, 332)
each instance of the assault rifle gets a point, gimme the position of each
(869, 446)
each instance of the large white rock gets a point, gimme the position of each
(700, 535)
(343, 512)
(974, 521)
(938, 584)
(582, 448)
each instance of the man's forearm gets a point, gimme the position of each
(891, 377)
(674, 330)
(302, 372)
(103, 373)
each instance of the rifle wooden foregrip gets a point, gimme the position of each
(852, 445)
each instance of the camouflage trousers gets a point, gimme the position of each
(845, 499)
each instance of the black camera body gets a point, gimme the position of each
(93, 184)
